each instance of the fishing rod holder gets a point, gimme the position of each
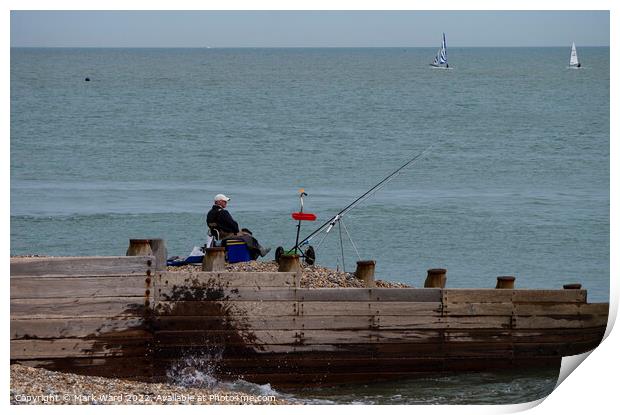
(308, 255)
(327, 226)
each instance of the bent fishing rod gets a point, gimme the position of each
(334, 219)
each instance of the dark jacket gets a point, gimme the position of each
(224, 222)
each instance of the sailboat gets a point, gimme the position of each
(441, 58)
(574, 60)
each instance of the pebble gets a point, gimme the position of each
(34, 386)
(312, 276)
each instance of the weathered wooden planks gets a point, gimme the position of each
(465, 295)
(202, 293)
(537, 309)
(295, 308)
(600, 309)
(67, 307)
(478, 309)
(401, 308)
(560, 321)
(368, 294)
(493, 335)
(81, 266)
(83, 315)
(442, 323)
(200, 290)
(85, 287)
(61, 348)
(549, 296)
(255, 322)
(45, 308)
(563, 335)
(554, 349)
(70, 315)
(51, 328)
(226, 308)
(293, 337)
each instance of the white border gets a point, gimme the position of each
(592, 385)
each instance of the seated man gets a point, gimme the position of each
(219, 219)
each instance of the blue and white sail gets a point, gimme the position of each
(442, 56)
(574, 60)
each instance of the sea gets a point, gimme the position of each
(513, 179)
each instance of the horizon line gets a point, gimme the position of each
(293, 47)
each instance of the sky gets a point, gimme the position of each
(264, 28)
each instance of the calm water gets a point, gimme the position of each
(462, 389)
(517, 182)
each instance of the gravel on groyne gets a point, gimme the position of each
(313, 276)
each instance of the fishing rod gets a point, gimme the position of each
(336, 218)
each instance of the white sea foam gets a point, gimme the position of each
(197, 369)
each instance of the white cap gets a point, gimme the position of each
(221, 197)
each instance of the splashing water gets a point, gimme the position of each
(200, 368)
(197, 369)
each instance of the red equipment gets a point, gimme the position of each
(303, 216)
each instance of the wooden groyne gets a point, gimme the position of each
(86, 314)
(121, 317)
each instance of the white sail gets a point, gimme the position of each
(442, 56)
(574, 60)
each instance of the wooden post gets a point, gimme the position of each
(158, 246)
(139, 247)
(505, 282)
(366, 272)
(572, 286)
(289, 263)
(214, 259)
(436, 278)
